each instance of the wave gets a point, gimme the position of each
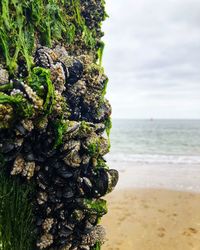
(153, 158)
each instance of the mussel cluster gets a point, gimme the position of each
(92, 12)
(53, 123)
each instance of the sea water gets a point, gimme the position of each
(156, 153)
(156, 141)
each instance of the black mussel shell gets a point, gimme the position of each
(68, 193)
(53, 198)
(114, 178)
(41, 59)
(30, 157)
(64, 232)
(39, 221)
(103, 113)
(7, 146)
(42, 178)
(64, 173)
(75, 72)
(101, 182)
(87, 185)
(20, 128)
(107, 180)
(9, 150)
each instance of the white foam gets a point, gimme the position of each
(154, 159)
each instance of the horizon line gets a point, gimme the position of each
(152, 119)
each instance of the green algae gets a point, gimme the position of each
(94, 147)
(85, 127)
(37, 80)
(60, 129)
(21, 106)
(101, 164)
(16, 216)
(104, 89)
(40, 82)
(22, 22)
(100, 52)
(6, 87)
(94, 68)
(14, 41)
(87, 34)
(108, 124)
(97, 246)
(94, 206)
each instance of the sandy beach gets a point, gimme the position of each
(152, 219)
(156, 204)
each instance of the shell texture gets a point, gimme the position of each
(53, 123)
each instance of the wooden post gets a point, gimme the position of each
(54, 125)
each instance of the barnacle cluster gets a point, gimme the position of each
(54, 118)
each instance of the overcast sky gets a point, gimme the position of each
(152, 58)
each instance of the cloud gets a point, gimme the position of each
(152, 58)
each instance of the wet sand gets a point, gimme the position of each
(152, 219)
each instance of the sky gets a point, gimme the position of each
(152, 58)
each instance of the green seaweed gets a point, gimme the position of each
(6, 87)
(87, 34)
(104, 89)
(94, 206)
(108, 124)
(97, 246)
(94, 147)
(22, 107)
(13, 40)
(70, 32)
(101, 164)
(85, 127)
(37, 81)
(16, 216)
(40, 82)
(22, 22)
(60, 128)
(100, 52)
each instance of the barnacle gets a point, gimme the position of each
(6, 115)
(45, 241)
(18, 166)
(4, 76)
(95, 234)
(47, 224)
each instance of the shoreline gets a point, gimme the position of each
(179, 177)
(152, 219)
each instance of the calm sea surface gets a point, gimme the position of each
(155, 141)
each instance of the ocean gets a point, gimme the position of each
(155, 141)
(156, 153)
